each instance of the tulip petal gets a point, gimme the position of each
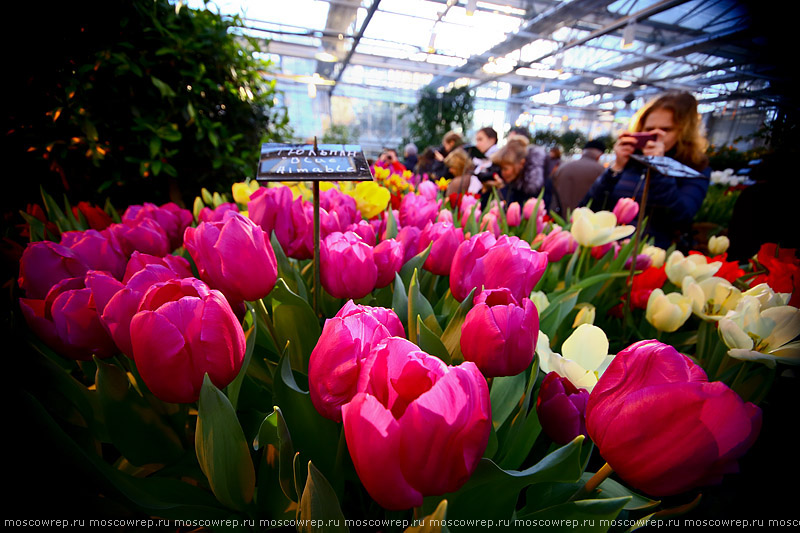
(587, 346)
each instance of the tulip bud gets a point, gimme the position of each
(626, 210)
(489, 223)
(428, 189)
(557, 244)
(347, 266)
(718, 244)
(234, 256)
(499, 335)
(445, 238)
(445, 215)
(586, 314)
(662, 426)
(184, 330)
(643, 262)
(171, 218)
(596, 229)
(218, 214)
(667, 312)
(514, 214)
(388, 257)
(407, 404)
(560, 407)
(657, 255)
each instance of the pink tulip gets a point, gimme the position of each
(336, 360)
(445, 238)
(117, 303)
(598, 252)
(144, 235)
(98, 251)
(530, 204)
(466, 208)
(67, 321)
(138, 261)
(643, 262)
(218, 214)
(417, 210)
(445, 215)
(409, 237)
(273, 209)
(347, 266)
(344, 205)
(234, 256)
(626, 210)
(170, 217)
(43, 264)
(490, 223)
(388, 257)
(514, 215)
(184, 330)
(429, 190)
(557, 244)
(483, 261)
(416, 427)
(364, 230)
(561, 409)
(662, 426)
(499, 335)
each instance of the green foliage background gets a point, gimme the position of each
(141, 101)
(437, 113)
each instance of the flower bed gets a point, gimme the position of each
(493, 365)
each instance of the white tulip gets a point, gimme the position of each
(585, 356)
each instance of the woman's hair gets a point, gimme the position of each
(555, 151)
(490, 133)
(691, 145)
(453, 136)
(512, 153)
(459, 160)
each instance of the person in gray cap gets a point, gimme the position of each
(410, 156)
(572, 180)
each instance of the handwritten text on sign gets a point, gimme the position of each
(288, 162)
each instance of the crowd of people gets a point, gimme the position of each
(519, 170)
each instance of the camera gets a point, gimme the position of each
(641, 138)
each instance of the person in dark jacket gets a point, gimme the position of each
(672, 202)
(512, 161)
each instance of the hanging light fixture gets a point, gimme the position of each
(471, 6)
(629, 34)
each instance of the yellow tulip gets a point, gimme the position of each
(243, 190)
(371, 199)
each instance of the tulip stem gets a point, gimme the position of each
(593, 483)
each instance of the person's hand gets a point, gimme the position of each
(655, 148)
(623, 149)
(438, 156)
(496, 182)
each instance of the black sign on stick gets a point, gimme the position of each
(667, 166)
(308, 162)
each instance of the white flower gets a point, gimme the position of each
(667, 312)
(768, 297)
(585, 356)
(711, 298)
(679, 266)
(656, 254)
(718, 244)
(540, 300)
(586, 315)
(595, 229)
(757, 334)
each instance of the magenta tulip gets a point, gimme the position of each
(409, 238)
(343, 205)
(626, 210)
(491, 224)
(138, 261)
(43, 264)
(172, 219)
(388, 257)
(417, 210)
(67, 321)
(184, 330)
(445, 239)
(483, 261)
(598, 252)
(98, 251)
(218, 214)
(662, 426)
(364, 230)
(428, 189)
(273, 209)
(144, 236)
(561, 408)
(514, 214)
(117, 303)
(336, 360)
(416, 427)
(499, 334)
(233, 256)
(347, 266)
(557, 244)
(445, 215)
(643, 262)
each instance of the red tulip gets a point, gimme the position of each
(416, 427)
(184, 330)
(347, 266)
(662, 426)
(95, 216)
(561, 408)
(336, 360)
(499, 335)
(234, 256)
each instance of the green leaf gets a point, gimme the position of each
(505, 395)
(430, 343)
(529, 233)
(451, 338)
(155, 146)
(415, 263)
(611, 489)
(400, 301)
(592, 515)
(522, 435)
(472, 225)
(55, 214)
(319, 502)
(555, 313)
(418, 305)
(285, 457)
(140, 433)
(222, 450)
(169, 133)
(163, 88)
(296, 323)
(36, 227)
(235, 387)
(391, 224)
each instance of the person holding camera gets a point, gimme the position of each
(507, 174)
(667, 126)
